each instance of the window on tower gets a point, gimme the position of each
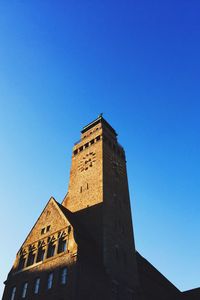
(48, 228)
(75, 152)
(98, 138)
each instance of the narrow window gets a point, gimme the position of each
(40, 256)
(81, 148)
(24, 290)
(31, 258)
(51, 250)
(21, 262)
(48, 228)
(98, 138)
(63, 277)
(37, 285)
(13, 292)
(62, 245)
(86, 145)
(75, 152)
(42, 230)
(91, 142)
(50, 281)
(81, 189)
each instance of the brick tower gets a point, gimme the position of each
(82, 249)
(98, 193)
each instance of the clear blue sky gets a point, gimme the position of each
(64, 62)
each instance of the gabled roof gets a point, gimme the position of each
(57, 206)
(67, 216)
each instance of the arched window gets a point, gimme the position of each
(13, 292)
(31, 258)
(37, 285)
(63, 277)
(62, 245)
(24, 290)
(50, 281)
(22, 260)
(51, 249)
(40, 255)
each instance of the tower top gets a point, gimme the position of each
(101, 120)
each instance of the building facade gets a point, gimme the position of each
(84, 248)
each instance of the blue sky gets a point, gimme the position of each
(64, 62)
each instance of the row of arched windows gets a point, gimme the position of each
(35, 289)
(43, 252)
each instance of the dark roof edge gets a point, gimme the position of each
(154, 269)
(100, 119)
(194, 290)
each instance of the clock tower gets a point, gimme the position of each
(98, 191)
(83, 249)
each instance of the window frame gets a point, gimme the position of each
(40, 254)
(50, 281)
(62, 245)
(37, 285)
(51, 249)
(30, 259)
(13, 293)
(22, 261)
(63, 276)
(24, 290)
